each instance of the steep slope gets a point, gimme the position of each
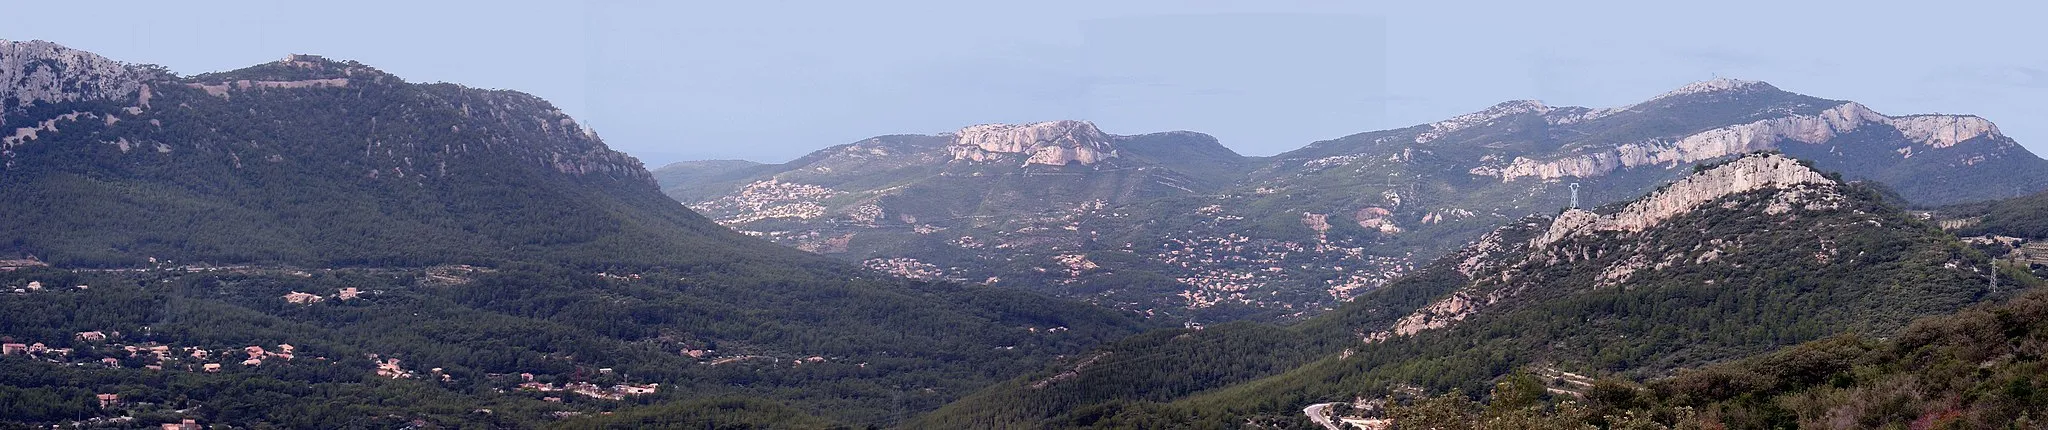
(1288, 236)
(1526, 140)
(1744, 256)
(1979, 368)
(475, 236)
(1976, 369)
(230, 167)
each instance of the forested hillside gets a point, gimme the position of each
(318, 244)
(1976, 369)
(2023, 217)
(1733, 261)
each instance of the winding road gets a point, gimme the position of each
(1320, 413)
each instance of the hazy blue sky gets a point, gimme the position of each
(770, 81)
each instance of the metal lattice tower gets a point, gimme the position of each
(1575, 195)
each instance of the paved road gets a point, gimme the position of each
(1320, 413)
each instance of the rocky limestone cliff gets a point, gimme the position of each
(1930, 131)
(1749, 173)
(38, 71)
(1053, 143)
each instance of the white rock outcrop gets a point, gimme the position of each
(1054, 143)
(38, 71)
(1749, 173)
(1439, 314)
(1931, 131)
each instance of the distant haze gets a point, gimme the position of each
(770, 81)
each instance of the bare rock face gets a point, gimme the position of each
(38, 71)
(1745, 174)
(1930, 131)
(1748, 173)
(1942, 131)
(1053, 143)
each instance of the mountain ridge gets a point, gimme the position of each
(1745, 267)
(1211, 235)
(387, 141)
(441, 249)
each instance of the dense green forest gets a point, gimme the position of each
(2024, 217)
(852, 351)
(1980, 368)
(379, 172)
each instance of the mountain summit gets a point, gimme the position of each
(216, 167)
(1052, 143)
(1718, 85)
(1004, 193)
(1930, 159)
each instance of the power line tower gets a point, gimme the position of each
(1575, 195)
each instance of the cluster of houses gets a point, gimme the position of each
(257, 354)
(299, 298)
(157, 355)
(388, 368)
(1231, 267)
(586, 389)
(36, 286)
(1074, 264)
(615, 277)
(766, 200)
(37, 350)
(905, 267)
